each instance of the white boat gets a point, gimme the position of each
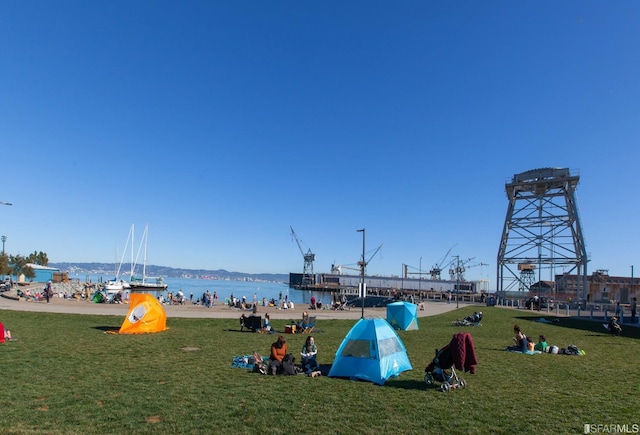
(145, 283)
(117, 284)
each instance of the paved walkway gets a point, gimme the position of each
(9, 301)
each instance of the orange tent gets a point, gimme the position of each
(145, 315)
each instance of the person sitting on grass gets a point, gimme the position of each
(278, 351)
(302, 323)
(542, 344)
(309, 353)
(521, 343)
(266, 324)
(614, 326)
(6, 334)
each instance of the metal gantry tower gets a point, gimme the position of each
(527, 276)
(542, 228)
(309, 257)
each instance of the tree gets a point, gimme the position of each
(39, 258)
(18, 266)
(4, 265)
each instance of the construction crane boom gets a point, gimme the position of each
(337, 268)
(363, 266)
(436, 270)
(458, 269)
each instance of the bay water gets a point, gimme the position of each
(194, 288)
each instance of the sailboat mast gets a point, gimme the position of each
(132, 263)
(145, 236)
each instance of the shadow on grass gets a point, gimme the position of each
(409, 384)
(107, 328)
(594, 326)
(237, 330)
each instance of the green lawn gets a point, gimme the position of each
(65, 375)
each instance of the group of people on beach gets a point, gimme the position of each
(45, 295)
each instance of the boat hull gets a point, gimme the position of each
(116, 286)
(147, 287)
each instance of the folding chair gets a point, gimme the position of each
(308, 328)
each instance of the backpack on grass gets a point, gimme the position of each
(289, 364)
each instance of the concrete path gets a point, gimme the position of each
(9, 301)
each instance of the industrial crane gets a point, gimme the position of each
(459, 267)
(309, 258)
(363, 266)
(437, 269)
(337, 268)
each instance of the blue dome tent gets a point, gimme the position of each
(371, 351)
(402, 315)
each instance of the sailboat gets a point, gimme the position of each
(145, 283)
(117, 284)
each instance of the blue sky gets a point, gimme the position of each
(222, 124)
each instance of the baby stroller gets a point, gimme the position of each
(459, 353)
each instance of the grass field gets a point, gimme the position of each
(65, 375)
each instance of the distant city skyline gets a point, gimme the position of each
(222, 125)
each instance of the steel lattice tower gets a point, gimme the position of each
(542, 228)
(527, 276)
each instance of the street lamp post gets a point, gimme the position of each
(633, 306)
(457, 281)
(362, 266)
(420, 278)
(4, 238)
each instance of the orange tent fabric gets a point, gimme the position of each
(145, 315)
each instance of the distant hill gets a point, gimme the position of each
(170, 272)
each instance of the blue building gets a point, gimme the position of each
(43, 273)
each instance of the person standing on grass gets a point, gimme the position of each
(634, 308)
